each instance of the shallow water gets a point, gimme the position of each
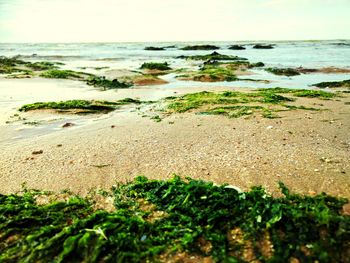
(130, 56)
(311, 54)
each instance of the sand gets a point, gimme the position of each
(309, 151)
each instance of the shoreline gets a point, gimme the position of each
(308, 151)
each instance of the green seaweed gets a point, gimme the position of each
(43, 65)
(156, 66)
(283, 71)
(106, 83)
(236, 104)
(193, 213)
(301, 92)
(333, 84)
(91, 106)
(60, 74)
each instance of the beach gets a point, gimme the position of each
(307, 150)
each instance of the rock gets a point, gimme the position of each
(154, 48)
(261, 46)
(37, 152)
(68, 124)
(237, 47)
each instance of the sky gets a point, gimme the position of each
(172, 20)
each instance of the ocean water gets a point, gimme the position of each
(130, 56)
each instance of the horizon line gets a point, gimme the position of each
(176, 41)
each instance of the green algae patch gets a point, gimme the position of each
(302, 93)
(216, 71)
(107, 84)
(289, 72)
(155, 66)
(60, 74)
(234, 104)
(153, 218)
(43, 65)
(200, 47)
(210, 74)
(84, 106)
(213, 56)
(333, 84)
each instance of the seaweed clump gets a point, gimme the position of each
(289, 72)
(8, 65)
(234, 104)
(333, 84)
(106, 83)
(60, 74)
(155, 66)
(200, 47)
(157, 219)
(85, 105)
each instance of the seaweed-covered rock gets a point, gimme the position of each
(262, 46)
(237, 47)
(154, 48)
(200, 47)
(283, 71)
(155, 66)
(333, 84)
(106, 83)
(213, 56)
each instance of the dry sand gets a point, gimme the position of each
(309, 151)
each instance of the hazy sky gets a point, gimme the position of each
(172, 20)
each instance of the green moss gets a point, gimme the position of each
(200, 47)
(212, 56)
(283, 71)
(235, 104)
(11, 61)
(60, 74)
(42, 65)
(191, 212)
(156, 66)
(106, 83)
(333, 84)
(90, 106)
(301, 92)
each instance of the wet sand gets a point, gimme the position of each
(308, 150)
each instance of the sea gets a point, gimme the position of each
(130, 56)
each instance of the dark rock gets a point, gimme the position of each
(154, 48)
(237, 47)
(67, 125)
(261, 46)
